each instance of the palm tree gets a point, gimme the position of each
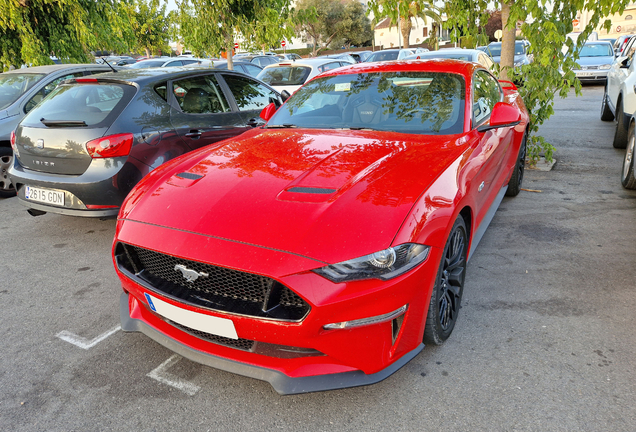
(405, 11)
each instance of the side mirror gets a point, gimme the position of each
(623, 61)
(284, 95)
(502, 115)
(268, 112)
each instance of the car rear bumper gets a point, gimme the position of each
(99, 192)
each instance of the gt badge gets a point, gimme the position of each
(189, 274)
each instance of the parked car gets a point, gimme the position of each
(628, 176)
(289, 76)
(522, 54)
(164, 62)
(472, 55)
(20, 91)
(360, 56)
(389, 54)
(621, 43)
(343, 56)
(261, 60)
(289, 56)
(619, 99)
(81, 151)
(595, 59)
(324, 249)
(248, 68)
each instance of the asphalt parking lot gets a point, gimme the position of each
(545, 340)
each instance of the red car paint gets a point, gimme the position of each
(234, 209)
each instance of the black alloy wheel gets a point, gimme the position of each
(6, 159)
(449, 286)
(514, 185)
(620, 136)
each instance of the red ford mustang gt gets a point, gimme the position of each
(324, 249)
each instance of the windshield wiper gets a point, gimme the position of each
(280, 126)
(356, 128)
(70, 123)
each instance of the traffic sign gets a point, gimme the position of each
(575, 23)
(498, 34)
(236, 45)
(282, 43)
(618, 29)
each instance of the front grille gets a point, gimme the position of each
(212, 287)
(241, 344)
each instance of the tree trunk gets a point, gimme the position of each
(230, 51)
(147, 52)
(507, 59)
(405, 24)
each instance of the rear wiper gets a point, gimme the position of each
(284, 125)
(70, 123)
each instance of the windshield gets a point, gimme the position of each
(495, 49)
(13, 85)
(147, 64)
(285, 75)
(383, 56)
(88, 103)
(407, 102)
(596, 50)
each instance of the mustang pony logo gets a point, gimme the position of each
(189, 274)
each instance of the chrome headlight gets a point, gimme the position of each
(605, 66)
(385, 264)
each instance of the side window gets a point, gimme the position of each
(175, 63)
(44, 92)
(486, 93)
(249, 94)
(257, 61)
(251, 70)
(329, 66)
(200, 95)
(162, 90)
(629, 51)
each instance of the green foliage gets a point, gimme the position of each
(333, 22)
(406, 11)
(466, 21)
(33, 30)
(150, 25)
(545, 26)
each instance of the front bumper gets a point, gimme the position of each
(591, 75)
(342, 357)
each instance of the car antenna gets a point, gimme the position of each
(110, 66)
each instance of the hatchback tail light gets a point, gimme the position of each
(110, 146)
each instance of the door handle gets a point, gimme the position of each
(194, 134)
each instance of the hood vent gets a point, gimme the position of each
(311, 190)
(189, 176)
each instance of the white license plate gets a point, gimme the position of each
(46, 196)
(205, 323)
(586, 74)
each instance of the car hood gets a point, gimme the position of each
(595, 61)
(517, 59)
(326, 195)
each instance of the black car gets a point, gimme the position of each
(260, 60)
(249, 68)
(20, 91)
(83, 148)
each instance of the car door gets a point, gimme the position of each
(619, 72)
(250, 97)
(492, 144)
(201, 113)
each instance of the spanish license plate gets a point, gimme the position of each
(585, 74)
(46, 196)
(197, 321)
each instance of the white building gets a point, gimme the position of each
(387, 36)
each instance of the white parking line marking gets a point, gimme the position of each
(160, 374)
(83, 342)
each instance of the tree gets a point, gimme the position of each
(271, 28)
(322, 21)
(209, 26)
(355, 27)
(33, 30)
(546, 25)
(406, 11)
(150, 25)
(466, 21)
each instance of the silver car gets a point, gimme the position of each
(471, 55)
(595, 61)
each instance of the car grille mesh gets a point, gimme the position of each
(241, 344)
(211, 286)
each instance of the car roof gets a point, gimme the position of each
(600, 41)
(312, 62)
(437, 65)
(49, 69)
(142, 76)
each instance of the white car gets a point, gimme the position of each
(619, 99)
(291, 76)
(390, 54)
(471, 55)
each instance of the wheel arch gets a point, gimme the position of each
(5, 143)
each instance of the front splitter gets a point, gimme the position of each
(282, 383)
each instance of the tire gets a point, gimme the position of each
(606, 112)
(514, 185)
(628, 179)
(449, 285)
(620, 136)
(6, 160)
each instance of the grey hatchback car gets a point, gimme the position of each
(82, 149)
(20, 91)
